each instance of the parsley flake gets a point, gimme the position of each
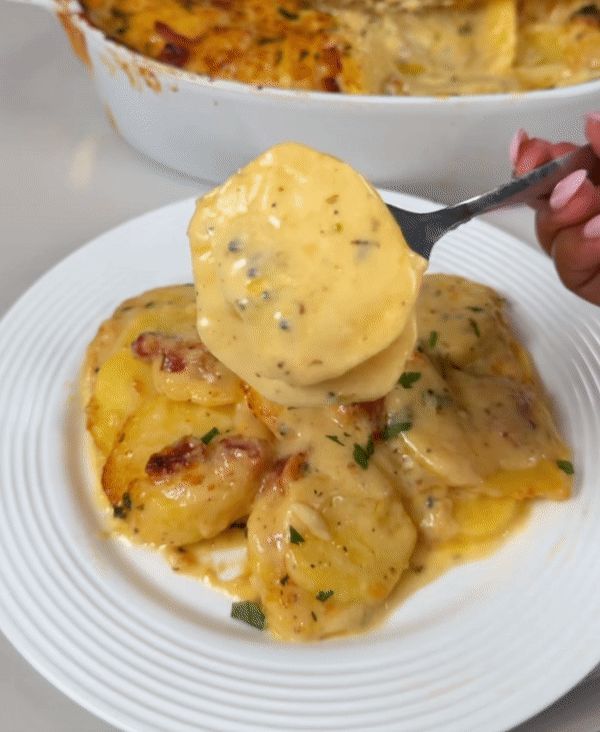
(210, 435)
(295, 536)
(475, 309)
(566, 466)
(324, 595)
(433, 339)
(249, 612)
(362, 454)
(409, 378)
(475, 327)
(335, 438)
(395, 428)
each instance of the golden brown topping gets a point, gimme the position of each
(223, 455)
(405, 47)
(182, 454)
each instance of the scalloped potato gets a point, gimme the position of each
(396, 47)
(321, 518)
(326, 549)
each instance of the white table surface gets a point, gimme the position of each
(65, 177)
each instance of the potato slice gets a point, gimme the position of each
(184, 370)
(497, 37)
(544, 480)
(116, 378)
(172, 488)
(510, 426)
(463, 324)
(482, 517)
(120, 384)
(424, 417)
(326, 551)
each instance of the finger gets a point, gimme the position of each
(577, 260)
(554, 150)
(592, 131)
(528, 153)
(574, 201)
(536, 152)
(558, 149)
(531, 154)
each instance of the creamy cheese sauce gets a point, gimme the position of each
(305, 285)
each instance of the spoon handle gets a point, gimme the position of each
(423, 230)
(527, 188)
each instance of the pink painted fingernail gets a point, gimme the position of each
(515, 145)
(594, 117)
(566, 189)
(592, 229)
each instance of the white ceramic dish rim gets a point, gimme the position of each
(75, 11)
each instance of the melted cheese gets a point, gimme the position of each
(284, 255)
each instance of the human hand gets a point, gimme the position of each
(568, 222)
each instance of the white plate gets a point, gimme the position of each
(483, 648)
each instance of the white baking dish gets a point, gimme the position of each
(442, 148)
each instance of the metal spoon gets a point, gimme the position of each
(423, 230)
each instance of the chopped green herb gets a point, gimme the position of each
(295, 536)
(249, 612)
(324, 595)
(475, 309)
(433, 339)
(211, 434)
(566, 466)
(409, 378)
(475, 327)
(287, 14)
(395, 428)
(335, 438)
(362, 454)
